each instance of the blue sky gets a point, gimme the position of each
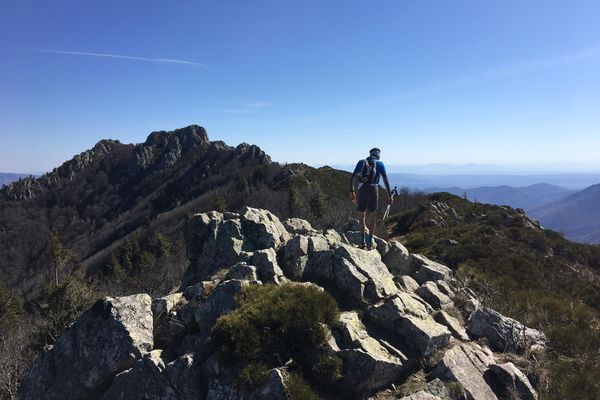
(448, 82)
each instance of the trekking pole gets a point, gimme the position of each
(387, 210)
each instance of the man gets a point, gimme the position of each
(369, 172)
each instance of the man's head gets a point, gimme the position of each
(375, 153)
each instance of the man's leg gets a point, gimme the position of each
(361, 218)
(371, 220)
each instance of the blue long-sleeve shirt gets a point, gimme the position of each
(380, 173)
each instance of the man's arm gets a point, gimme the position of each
(383, 173)
(357, 170)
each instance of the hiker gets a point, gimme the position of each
(395, 191)
(369, 171)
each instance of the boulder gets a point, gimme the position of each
(222, 301)
(455, 327)
(421, 395)
(425, 335)
(106, 339)
(213, 243)
(266, 265)
(145, 381)
(221, 384)
(298, 226)
(167, 326)
(503, 333)
(397, 259)
(185, 376)
(407, 283)
(359, 265)
(445, 288)
(369, 370)
(434, 297)
(514, 380)
(295, 257)
(263, 229)
(242, 271)
(437, 388)
(467, 364)
(428, 270)
(410, 319)
(353, 224)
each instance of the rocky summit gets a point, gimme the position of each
(399, 320)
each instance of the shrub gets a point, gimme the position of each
(328, 369)
(298, 389)
(276, 323)
(253, 376)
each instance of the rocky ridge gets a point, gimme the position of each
(399, 314)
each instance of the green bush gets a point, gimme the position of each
(298, 389)
(253, 376)
(276, 323)
(328, 369)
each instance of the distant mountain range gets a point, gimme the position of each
(9, 177)
(577, 215)
(527, 197)
(571, 181)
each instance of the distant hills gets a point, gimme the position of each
(571, 181)
(9, 177)
(527, 197)
(577, 215)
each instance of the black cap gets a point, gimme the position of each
(375, 153)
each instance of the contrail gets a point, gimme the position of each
(124, 57)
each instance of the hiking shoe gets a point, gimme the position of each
(363, 245)
(369, 247)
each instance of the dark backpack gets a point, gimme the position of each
(369, 171)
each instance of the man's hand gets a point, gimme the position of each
(353, 197)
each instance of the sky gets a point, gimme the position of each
(505, 83)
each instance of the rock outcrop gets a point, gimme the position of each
(504, 333)
(106, 340)
(398, 319)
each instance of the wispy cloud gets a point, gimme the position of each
(119, 56)
(503, 72)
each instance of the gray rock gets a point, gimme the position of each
(428, 270)
(515, 380)
(105, 340)
(318, 243)
(458, 331)
(445, 288)
(437, 388)
(200, 291)
(266, 265)
(212, 244)
(221, 301)
(298, 226)
(466, 363)
(357, 265)
(353, 224)
(185, 376)
(407, 283)
(408, 318)
(263, 228)
(425, 335)
(434, 297)
(242, 271)
(367, 371)
(295, 257)
(397, 259)
(421, 395)
(221, 384)
(145, 381)
(503, 333)
(167, 326)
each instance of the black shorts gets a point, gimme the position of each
(368, 198)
